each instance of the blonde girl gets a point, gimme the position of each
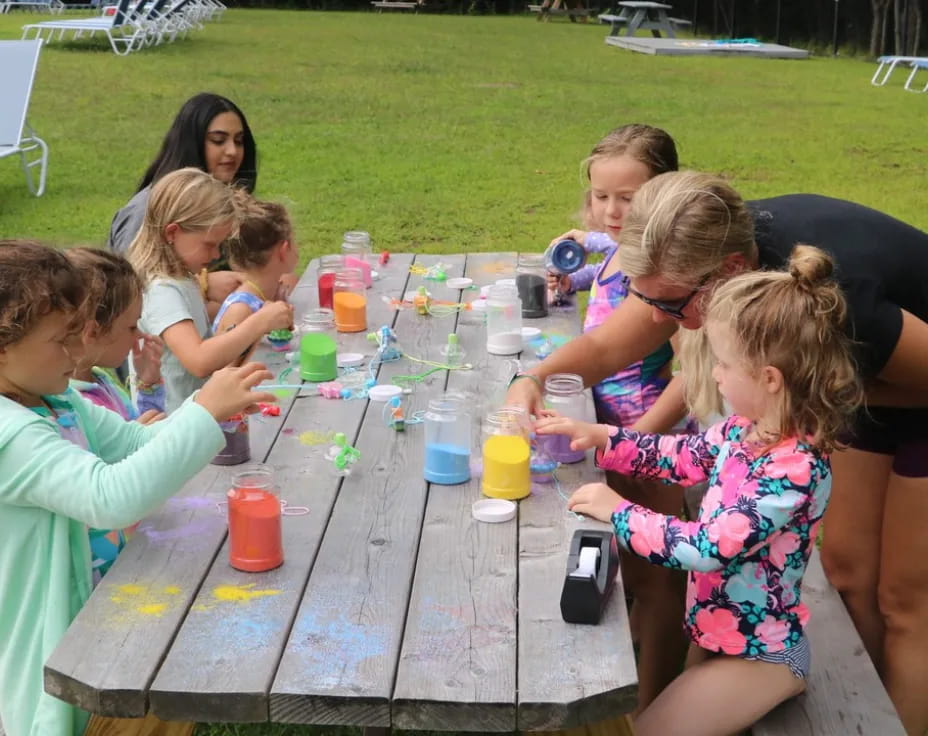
(190, 214)
(783, 365)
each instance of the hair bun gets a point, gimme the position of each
(810, 266)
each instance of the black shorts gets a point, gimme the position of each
(902, 433)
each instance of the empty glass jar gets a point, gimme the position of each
(349, 301)
(356, 248)
(504, 320)
(447, 441)
(532, 283)
(506, 454)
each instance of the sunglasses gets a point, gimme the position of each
(673, 309)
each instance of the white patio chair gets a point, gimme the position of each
(919, 63)
(889, 63)
(19, 60)
(124, 29)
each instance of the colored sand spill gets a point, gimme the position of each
(133, 598)
(447, 464)
(506, 467)
(313, 438)
(350, 312)
(240, 593)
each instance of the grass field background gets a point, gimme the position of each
(449, 133)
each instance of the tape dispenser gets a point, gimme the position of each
(592, 566)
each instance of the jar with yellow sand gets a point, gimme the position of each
(349, 301)
(506, 454)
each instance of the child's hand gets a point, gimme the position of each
(276, 316)
(147, 359)
(285, 286)
(583, 435)
(558, 283)
(151, 416)
(229, 391)
(219, 284)
(596, 500)
(577, 235)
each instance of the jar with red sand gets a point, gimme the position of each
(255, 539)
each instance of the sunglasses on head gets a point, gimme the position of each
(673, 308)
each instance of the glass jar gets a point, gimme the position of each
(349, 301)
(318, 320)
(447, 441)
(255, 535)
(564, 394)
(506, 453)
(532, 283)
(325, 278)
(238, 447)
(504, 320)
(357, 250)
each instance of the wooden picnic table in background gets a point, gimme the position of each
(640, 15)
(394, 607)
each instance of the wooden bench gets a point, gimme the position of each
(680, 21)
(844, 693)
(382, 5)
(546, 11)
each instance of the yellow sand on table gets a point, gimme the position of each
(506, 467)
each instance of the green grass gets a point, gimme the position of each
(448, 133)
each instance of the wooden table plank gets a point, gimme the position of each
(457, 668)
(569, 674)
(222, 663)
(340, 660)
(112, 650)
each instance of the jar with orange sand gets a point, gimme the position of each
(255, 539)
(349, 301)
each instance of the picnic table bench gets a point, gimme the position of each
(642, 15)
(393, 608)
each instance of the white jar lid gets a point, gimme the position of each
(493, 510)
(383, 392)
(479, 305)
(348, 360)
(459, 283)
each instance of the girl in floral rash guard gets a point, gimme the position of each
(783, 365)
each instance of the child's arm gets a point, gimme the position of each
(235, 315)
(202, 357)
(685, 459)
(594, 242)
(755, 515)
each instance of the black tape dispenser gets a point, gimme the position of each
(592, 565)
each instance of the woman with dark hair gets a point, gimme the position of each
(211, 133)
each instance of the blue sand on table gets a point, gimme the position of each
(447, 464)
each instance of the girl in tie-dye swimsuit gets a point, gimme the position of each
(618, 165)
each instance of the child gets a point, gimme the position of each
(109, 335)
(263, 253)
(65, 464)
(616, 167)
(189, 215)
(784, 366)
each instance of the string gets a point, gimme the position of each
(557, 487)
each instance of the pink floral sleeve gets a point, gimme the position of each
(686, 459)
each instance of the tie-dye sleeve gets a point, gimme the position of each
(595, 242)
(686, 459)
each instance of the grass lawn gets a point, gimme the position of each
(449, 133)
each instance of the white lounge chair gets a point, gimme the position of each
(916, 65)
(124, 29)
(19, 59)
(889, 63)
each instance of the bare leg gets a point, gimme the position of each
(717, 697)
(658, 593)
(903, 597)
(851, 546)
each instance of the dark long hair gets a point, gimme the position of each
(185, 141)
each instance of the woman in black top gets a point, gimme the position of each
(684, 233)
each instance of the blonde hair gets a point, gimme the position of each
(681, 226)
(263, 226)
(189, 198)
(794, 321)
(646, 144)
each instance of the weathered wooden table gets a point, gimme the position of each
(394, 607)
(640, 15)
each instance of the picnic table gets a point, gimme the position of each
(394, 607)
(640, 15)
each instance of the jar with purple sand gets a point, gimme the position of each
(531, 281)
(564, 394)
(447, 441)
(238, 447)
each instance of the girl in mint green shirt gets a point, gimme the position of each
(66, 464)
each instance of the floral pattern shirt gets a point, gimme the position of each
(749, 548)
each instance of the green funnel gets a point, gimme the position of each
(317, 357)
